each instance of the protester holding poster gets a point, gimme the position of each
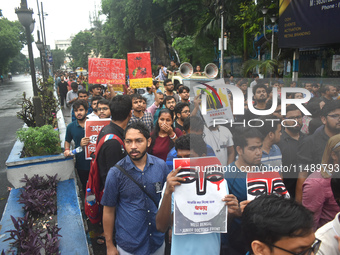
(248, 178)
(203, 242)
(75, 131)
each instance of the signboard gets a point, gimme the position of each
(259, 183)
(216, 101)
(92, 130)
(140, 73)
(308, 23)
(198, 205)
(107, 70)
(336, 63)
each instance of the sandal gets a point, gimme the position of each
(101, 240)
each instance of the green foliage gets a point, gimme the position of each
(49, 105)
(267, 66)
(19, 63)
(80, 49)
(39, 141)
(196, 53)
(11, 41)
(58, 57)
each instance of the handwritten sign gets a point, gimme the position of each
(198, 205)
(140, 73)
(107, 70)
(92, 130)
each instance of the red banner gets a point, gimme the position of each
(140, 73)
(92, 130)
(107, 70)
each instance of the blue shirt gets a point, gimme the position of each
(173, 154)
(135, 222)
(75, 132)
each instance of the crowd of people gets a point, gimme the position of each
(158, 126)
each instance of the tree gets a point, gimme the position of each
(81, 47)
(19, 63)
(58, 56)
(11, 41)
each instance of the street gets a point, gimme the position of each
(10, 96)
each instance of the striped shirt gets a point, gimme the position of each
(273, 159)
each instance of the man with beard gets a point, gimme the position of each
(311, 149)
(82, 95)
(94, 104)
(75, 131)
(103, 109)
(182, 112)
(126, 207)
(289, 142)
(138, 113)
(169, 90)
(260, 98)
(329, 92)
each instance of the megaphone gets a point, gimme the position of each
(211, 70)
(186, 70)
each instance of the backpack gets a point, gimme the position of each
(94, 212)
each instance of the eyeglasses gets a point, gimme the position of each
(334, 116)
(187, 111)
(102, 109)
(313, 249)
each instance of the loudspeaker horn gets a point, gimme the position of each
(211, 70)
(186, 70)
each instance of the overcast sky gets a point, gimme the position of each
(65, 17)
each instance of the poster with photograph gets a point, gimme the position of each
(216, 103)
(92, 130)
(107, 70)
(259, 183)
(198, 205)
(140, 72)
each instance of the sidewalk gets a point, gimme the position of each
(92, 230)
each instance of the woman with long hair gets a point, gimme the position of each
(164, 134)
(317, 194)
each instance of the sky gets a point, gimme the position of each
(64, 17)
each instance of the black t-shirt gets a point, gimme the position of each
(111, 152)
(289, 149)
(63, 87)
(180, 127)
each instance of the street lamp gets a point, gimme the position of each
(273, 19)
(264, 11)
(25, 18)
(40, 46)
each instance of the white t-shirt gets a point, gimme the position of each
(92, 116)
(219, 140)
(329, 245)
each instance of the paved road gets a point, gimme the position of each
(10, 96)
